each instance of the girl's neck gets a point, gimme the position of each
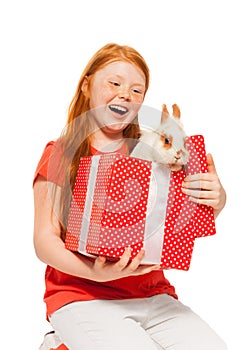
(105, 143)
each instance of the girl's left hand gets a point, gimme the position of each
(206, 188)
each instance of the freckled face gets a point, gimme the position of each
(116, 94)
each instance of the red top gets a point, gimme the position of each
(62, 288)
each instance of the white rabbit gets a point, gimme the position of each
(166, 144)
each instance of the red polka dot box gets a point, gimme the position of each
(120, 201)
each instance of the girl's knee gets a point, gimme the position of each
(208, 339)
(199, 335)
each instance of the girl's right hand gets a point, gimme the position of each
(104, 270)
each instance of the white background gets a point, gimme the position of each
(198, 52)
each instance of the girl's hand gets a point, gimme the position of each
(206, 188)
(104, 270)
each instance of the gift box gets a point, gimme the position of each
(120, 201)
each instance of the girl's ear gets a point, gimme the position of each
(85, 86)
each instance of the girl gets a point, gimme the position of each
(98, 304)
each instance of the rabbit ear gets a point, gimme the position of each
(164, 114)
(176, 111)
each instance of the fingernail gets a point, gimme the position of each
(142, 251)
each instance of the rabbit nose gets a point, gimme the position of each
(178, 155)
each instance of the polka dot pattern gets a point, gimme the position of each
(124, 215)
(186, 220)
(119, 207)
(77, 205)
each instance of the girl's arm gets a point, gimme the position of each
(206, 188)
(50, 248)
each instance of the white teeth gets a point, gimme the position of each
(122, 109)
(119, 108)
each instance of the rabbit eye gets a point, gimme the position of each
(166, 141)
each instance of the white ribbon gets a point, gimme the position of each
(156, 213)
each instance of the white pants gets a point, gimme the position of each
(155, 323)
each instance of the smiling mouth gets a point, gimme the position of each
(118, 109)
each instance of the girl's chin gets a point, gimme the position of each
(114, 128)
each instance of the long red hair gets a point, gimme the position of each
(76, 138)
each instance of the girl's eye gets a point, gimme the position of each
(114, 83)
(137, 91)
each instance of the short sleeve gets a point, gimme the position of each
(50, 163)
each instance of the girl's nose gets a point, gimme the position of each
(124, 93)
